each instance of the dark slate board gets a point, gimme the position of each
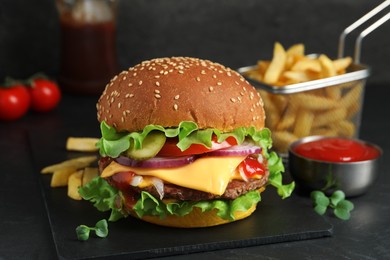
(274, 221)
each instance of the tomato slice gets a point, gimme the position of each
(251, 167)
(171, 150)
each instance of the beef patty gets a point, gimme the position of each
(234, 189)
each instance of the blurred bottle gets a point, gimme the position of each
(88, 56)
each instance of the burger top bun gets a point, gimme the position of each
(167, 91)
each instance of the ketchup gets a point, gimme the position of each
(335, 149)
(88, 58)
(121, 181)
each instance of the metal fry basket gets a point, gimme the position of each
(329, 106)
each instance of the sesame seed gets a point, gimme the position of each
(135, 74)
(140, 82)
(211, 88)
(236, 83)
(181, 72)
(124, 113)
(197, 79)
(157, 76)
(122, 119)
(233, 100)
(157, 91)
(252, 109)
(203, 72)
(124, 78)
(239, 98)
(177, 97)
(157, 83)
(165, 72)
(161, 72)
(214, 76)
(157, 96)
(130, 84)
(219, 83)
(229, 74)
(176, 107)
(119, 105)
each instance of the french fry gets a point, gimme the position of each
(288, 118)
(282, 139)
(297, 76)
(280, 102)
(333, 92)
(60, 177)
(276, 66)
(307, 65)
(262, 67)
(293, 54)
(327, 67)
(312, 102)
(326, 131)
(88, 174)
(74, 182)
(342, 64)
(353, 96)
(353, 110)
(345, 128)
(330, 116)
(303, 123)
(77, 163)
(296, 50)
(82, 144)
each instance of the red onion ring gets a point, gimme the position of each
(156, 162)
(237, 150)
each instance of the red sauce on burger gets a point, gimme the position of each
(336, 149)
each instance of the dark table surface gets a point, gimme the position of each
(25, 230)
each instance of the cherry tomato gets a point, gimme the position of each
(45, 95)
(14, 102)
(251, 167)
(171, 150)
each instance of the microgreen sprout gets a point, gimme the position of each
(341, 207)
(101, 230)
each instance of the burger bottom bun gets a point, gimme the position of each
(196, 218)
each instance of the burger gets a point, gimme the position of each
(183, 145)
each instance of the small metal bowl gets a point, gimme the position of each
(353, 178)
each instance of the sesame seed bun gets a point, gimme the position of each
(167, 91)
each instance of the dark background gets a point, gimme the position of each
(233, 32)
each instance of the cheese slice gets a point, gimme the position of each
(208, 174)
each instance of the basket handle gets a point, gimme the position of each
(364, 33)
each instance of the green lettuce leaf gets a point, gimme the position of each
(105, 198)
(114, 143)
